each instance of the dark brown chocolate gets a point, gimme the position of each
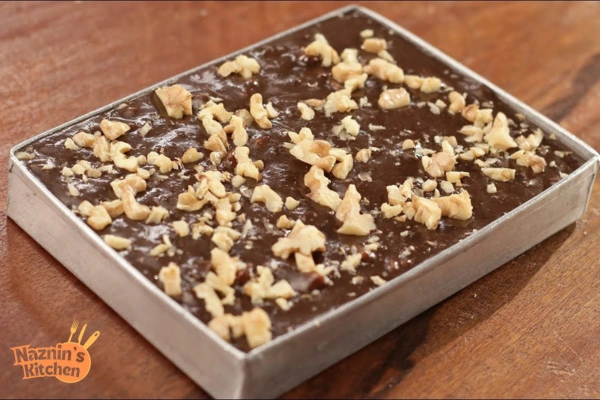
(286, 77)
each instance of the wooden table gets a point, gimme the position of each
(530, 329)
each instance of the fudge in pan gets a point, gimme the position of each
(285, 182)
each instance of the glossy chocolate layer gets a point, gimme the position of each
(286, 77)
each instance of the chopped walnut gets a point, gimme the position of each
(133, 210)
(291, 203)
(339, 101)
(343, 167)
(384, 70)
(73, 191)
(377, 280)
(191, 155)
(212, 302)
(305, 264)
(181, 228)
(431, 85)
(354, 223)
(389, 211)
(304, 239)
(245, 166)
(316, 181)
(224, 265)
(238, 181)
(257, 326)
(491, 188)
(384, 54)
(367, 33)
(499, 136)
(157, 214)
(264, 193)
(374, 45)
(98, 218)
(189, 201)
(265, 287)
(363, 155)
(457, 102)
(224, 212)
(113, 129)
(529, 159)
(283, 222)
(399, 195)
(177, 100)
(313, 152)
(456, 176)
(429, 185)
(351, 263)
(321, 48)
(214, 111)
(438, 164)
(117, 242)
(238, 130)
(84, 139)
(394, 98)
(413, 81)
(224, 237)
(456, 206)
(347, 129)
(499, 174)
(243, 65)
(427, 213)
(170, 276)
(446, 186)
(258, 112)
(307, 112)
(214, 183)
(531, 142)
(70, 145)
(347, 70)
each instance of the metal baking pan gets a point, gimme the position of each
(269, 370)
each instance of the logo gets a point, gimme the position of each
(68, 362)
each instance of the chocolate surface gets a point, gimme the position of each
(286, 77)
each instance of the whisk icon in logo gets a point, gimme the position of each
(68, 362)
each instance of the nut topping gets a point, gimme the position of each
(307, 112)
(170, 276)
(499, 136)
(438, 164)
(384, 70)
(427, 213)
(243, 65)
(499, 174)
(316, 181)
(374, 45)
(456, 206)
(394, 98)
(117, 242)
(304, 239)
(258, 112)
(177, 100)
(112, 129)
(321, 48)
(264, 193)
(354, 223)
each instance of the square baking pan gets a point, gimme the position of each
(269, 370)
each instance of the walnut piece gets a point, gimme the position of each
(245, 166)
(529, 159)
(264, 193)
(181, 228)
(113, 129)
(306, 112)
(456, 206)
(339, 101)
(70, 145)
(157, 214)
(363, 155)
(321, 48)
(438, 164)
(351, 262)
(347, 129)
(431, 85)
(177, 100)
(84, 139)
(457, 102)
(499, 174)
(133, 210)
(316, 181)
(291, 203)
(499, 136)
(243, 65)
(427, 213)
(117, 242)
(258, 111)
(255, 325)
(98, 218)
(304, 239)
(394, 98)
(191, 155)
(344, 165)
(170, 276)
(265, 287)
(313, 152)
(374, 45)
(384, 70)
(354, 223)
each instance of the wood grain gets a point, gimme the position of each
(529, 329)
